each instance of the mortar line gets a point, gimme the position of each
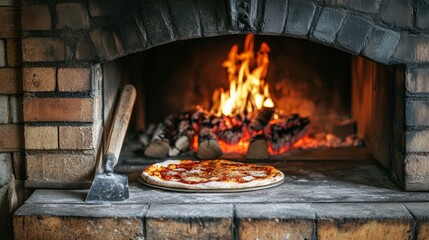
(235, 223)
(414, 225)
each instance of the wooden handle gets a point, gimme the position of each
(120, 121)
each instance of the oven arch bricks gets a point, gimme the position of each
(63, 43)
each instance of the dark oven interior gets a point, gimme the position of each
(347, 99)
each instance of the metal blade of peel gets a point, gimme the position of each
(109, 186)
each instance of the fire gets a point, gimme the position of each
(248, 90)
(242, 119)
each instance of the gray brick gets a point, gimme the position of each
(198, 221)
(421, 215)
(133, 34)
(275, 221)
(419, 210)
(417, 141)
(105, 44)
(328, 24)
(368, 6)
(85, 210)
(381, 44)
(422, 16)
(4, 108)
(417, 113)
(212, 16)
(2, 53)
(413, 49)
(344, 211)
(274, 16)
(417, 80)
(15, 108)
(208, 17)
(398, 13)
(5, 168)
(416, 172)
(185, 18)
(158, 28)
(353, 33)
(300, 16)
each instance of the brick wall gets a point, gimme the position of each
(62, 96)
(64, 41)
(11, 128)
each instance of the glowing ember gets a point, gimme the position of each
(246, 73)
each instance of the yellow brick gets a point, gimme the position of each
(77, 137)
(60, 167)
(53, 227)
(41, 137)
(363, 229)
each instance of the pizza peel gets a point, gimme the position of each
(108, 186)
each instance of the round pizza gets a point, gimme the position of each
(210, 174)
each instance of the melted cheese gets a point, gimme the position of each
(194, 179)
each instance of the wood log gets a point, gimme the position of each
(146, 136)
(286, 131)
(160, 144)
(231, 129)
(208, 147)
(232, 135)
(261, 118)
(258, 148)
(182, 141)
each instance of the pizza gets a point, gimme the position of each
(210, 174)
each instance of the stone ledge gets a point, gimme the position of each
(51, 221)
(275, 221)
(218, 221)
(202, 221)
(420, 212)
(363, 221)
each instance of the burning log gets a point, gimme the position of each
(286, 131)
(183, 139)
(160, 144)
(231, 129)
(231, 135)
(258, 148)
(208, 147)
(261, 118)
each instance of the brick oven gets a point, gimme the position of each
(56, 102)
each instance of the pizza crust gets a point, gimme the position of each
(212, 185)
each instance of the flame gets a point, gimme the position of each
(248, 90)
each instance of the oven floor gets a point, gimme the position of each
(318, 198)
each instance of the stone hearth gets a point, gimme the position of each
(321, 200)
